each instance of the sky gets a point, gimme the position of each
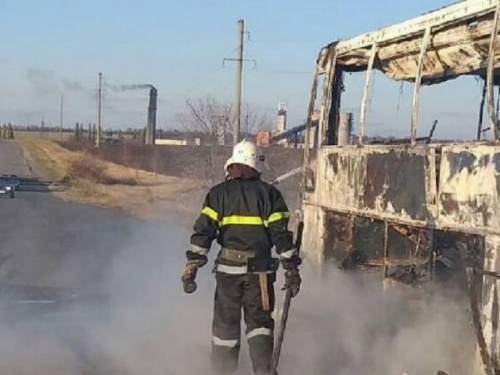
(57, 47)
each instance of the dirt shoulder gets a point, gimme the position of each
(147, 182)
(82, 177)
(197, 163)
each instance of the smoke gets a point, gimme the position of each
(129, 316)
(121, 88)
(346, 324)
(72, 85)
(42, 81)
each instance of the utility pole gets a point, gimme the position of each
(98, 137)
(61, 118)
(239, 71)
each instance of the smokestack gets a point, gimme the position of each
(151, 126)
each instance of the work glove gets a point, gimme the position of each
(188, 278)
(292, 275)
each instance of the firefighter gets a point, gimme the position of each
(247, 217)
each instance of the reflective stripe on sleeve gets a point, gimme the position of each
(199, 250)
(211, 213)
(259, 332)
(277, 216)
(254, 220)
(227, 343)
(288, 254)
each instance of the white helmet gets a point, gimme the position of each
(247, 153)
(228, 163)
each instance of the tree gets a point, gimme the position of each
(253, 120)
(213, 120)
(77, 132)
(10, 131)
(212, 117)
(207, 116)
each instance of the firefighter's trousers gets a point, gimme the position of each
(233, 294)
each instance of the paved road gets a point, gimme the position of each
(12, 161)
(76, 282)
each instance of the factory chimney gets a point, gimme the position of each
(151, 126)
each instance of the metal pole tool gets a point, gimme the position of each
(286, 309)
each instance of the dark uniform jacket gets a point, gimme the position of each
(247, 215)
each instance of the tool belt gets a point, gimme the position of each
(261, 267)
(236, 255)
(246, 258)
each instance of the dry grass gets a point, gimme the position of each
(87, 179)
(88, 168)
(45, 156)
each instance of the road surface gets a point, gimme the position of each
(82, 286)
(12, 161)
(89, 291)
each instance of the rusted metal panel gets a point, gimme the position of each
(469, 187)
(387, 181)
(399, 184)
(396, 182)
(342, 173)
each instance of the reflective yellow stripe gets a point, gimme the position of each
(254, 220)
(212, 214)
(277, 216)
(243, 220)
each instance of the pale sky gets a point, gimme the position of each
(57, 47)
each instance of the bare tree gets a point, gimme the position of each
(208, 116)
(254, 120)
(213, 120)
(212, 117)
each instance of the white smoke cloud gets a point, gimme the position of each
(131, 317)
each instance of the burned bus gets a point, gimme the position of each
(408, 207)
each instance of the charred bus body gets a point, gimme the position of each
(410, 209)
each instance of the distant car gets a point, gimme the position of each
(13, 180)
(6, 188)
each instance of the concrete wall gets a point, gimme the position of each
(171, 142)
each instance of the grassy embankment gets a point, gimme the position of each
(79, 176)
